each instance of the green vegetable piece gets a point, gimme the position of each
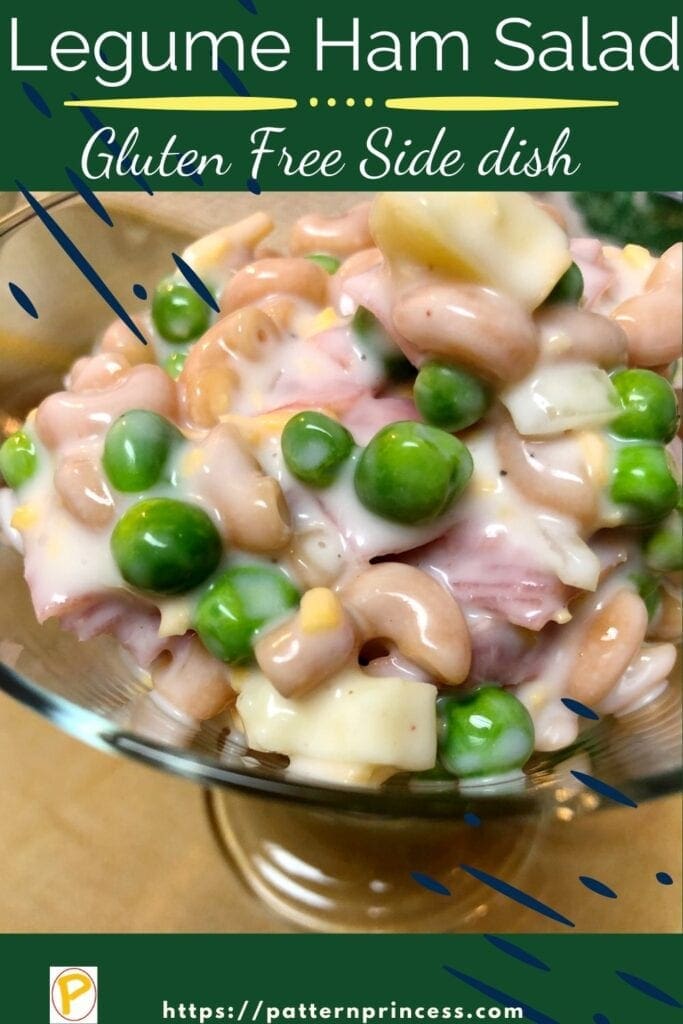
(448, 397)
(329, 263)
(650, 409)
(364, 322)
(411, 472)
(174, 364)
(179, 314)
(398, 369)
(136, 449)
(664, 548)
(18, 459)
(237, 604)
(315, 447)
(165, 546)
(650, 219)
(485, 733)
(569, 288)
(380, 346)
(642, 481)
(647, 586)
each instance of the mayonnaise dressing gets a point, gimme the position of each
(515, 559)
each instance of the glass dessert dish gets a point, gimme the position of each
(326, 856)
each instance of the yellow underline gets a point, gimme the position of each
(248, 103)
(190, 103)
(491, 103)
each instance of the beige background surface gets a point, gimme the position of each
(89, 842)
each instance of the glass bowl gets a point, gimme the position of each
(290, 840)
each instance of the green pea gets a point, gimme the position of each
(174, 364)
(664, 548)
(165, 546)
(485, 733)
(647, 586)
(642, 481)
(569, 288)
(315, 447)
(411, 472)
(448, 397)
(329, 263)
(179, 314)
(136, 449)
(364, 322)
(398, 369)
(649, 403)
(237, 604)
(18, 459)
(376, 342)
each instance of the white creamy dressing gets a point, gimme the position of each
(70, 561)
(360, 726)
(316, 361)
(338, 519)
(367, 534)
(64, 560)
(549, 540)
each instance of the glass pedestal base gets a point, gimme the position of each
(341, 872)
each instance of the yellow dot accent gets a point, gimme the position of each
(332, 102)
(313, 101)
(350, 102)
(368, 101)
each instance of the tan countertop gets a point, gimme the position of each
(95, 843)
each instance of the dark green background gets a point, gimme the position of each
(136, 972)
(634, 146)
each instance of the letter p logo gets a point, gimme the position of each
(73, 994)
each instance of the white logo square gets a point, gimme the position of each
(73, 995)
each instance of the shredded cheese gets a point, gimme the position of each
(320, 610)
(637, 256)
(595, 452)
(257, 429)
(322, 321)
(24, 517)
